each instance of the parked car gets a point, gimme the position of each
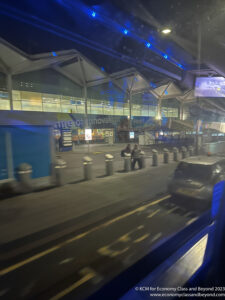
(195, 177)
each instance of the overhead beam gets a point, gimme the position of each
(64, 73)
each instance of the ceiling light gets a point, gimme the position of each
(166, 31)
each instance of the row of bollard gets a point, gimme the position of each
(184, 153)
(25, 170)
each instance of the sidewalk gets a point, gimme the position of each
(26, 214)
(74, 170)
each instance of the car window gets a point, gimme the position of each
(194, 171)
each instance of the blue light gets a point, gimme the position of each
(102, 69)
(216, 198)
(166, 93)
(148, 45)
(179, 65)
(93, 14)
(152, 84)
(165, 56)
(125, 31)
(54, 54)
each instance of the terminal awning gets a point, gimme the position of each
(187, 97)
(167, 91)
(13, 61)
(131, 80)
(69, 62)
(83, 71)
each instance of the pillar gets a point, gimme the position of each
(9, 87)
(85, 107)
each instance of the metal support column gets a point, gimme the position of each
(84, 79)
(181, 111)
(85, 106)
(130, 109)
(159, 110)
(9, 87)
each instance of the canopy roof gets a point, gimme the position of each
(79, 69)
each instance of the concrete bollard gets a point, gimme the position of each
(183, 152)
(191, 150)
(59, 167)
(109, 164)
(175, 154)
(127, 162)
(154, 158)
(24, 177)
(142, 159)
(165, 156)
(87, 165)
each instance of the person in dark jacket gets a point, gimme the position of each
(136, 157)
(126, 150)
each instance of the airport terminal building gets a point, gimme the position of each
(66, 90)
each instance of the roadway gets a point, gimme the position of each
(80, 262)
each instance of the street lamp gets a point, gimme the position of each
(166, 30)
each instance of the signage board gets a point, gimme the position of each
(88, 134)
(131, 134)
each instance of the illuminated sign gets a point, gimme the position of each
(210, 87)
(131, 135)
(88, 134)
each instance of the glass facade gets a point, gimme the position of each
(32, 101)
(48, 91)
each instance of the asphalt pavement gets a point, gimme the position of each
(67, 242)
(79, 263)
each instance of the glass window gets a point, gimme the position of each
(4, 101)
(69, 104)
(51, 103)
(31, 101)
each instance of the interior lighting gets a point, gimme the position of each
(148, 45)
(93, 14)
(165, 56)
(125, 31)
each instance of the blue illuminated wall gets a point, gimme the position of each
(30, 144)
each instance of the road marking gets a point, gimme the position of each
(191, 221)
(124, 238)
(111, 253)
(156, 237)
(171, 210)
(77, 237)
(140, 239)
(153, 213)
(66, 261)
(78, 283)
(189, 214)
